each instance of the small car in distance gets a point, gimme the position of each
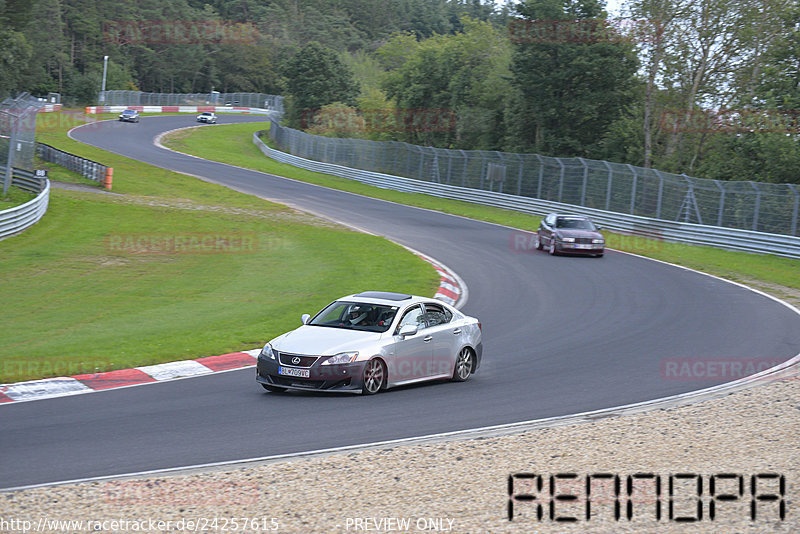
(570, 234)
(129, 115)
(207, 117)
(370, 341)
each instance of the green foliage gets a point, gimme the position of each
(316, 76)
(569, 87)
(454, 79)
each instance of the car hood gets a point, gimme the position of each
(322, 340)
(573, 232)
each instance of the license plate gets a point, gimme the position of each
(288, 371)
(584, 246)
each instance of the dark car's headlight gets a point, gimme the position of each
(342, 357)
(598, 241)
(267, 352)
(568, 239)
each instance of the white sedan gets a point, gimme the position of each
(207, 117)
(372, 341)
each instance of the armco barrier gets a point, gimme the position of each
(15, 220)
(727, 238)
(85, 167)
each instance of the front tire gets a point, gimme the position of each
(539, 245)
(552, 250)
(374, 377)
(463, 366)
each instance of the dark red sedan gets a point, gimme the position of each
(570, 234)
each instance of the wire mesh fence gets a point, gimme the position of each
(17, 135)
(617, 187)
(138, 98)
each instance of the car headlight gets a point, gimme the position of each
(342, 357)
(568, 239)
(598, 241)
(267, 352)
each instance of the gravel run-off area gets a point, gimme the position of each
(463, 486)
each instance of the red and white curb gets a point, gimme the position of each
(73, 385)
(451, 290)
(91, 110)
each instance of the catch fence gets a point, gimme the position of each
(594, 184)
(245, 100)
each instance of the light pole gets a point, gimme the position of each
(103, 90)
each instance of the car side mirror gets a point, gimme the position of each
(305, 318)
(408, 330)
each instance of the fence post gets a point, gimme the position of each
(721, 202)
(503, 163)
(608, 186)
(660, 193)
(585, 179)
(795, 210)
(464, 175)
(757, 207)
(519, 178)
(541, 176)
(561, 179)
(633, 189)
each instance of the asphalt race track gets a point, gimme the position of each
(561, 335)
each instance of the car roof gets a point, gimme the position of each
(566, 216)
(386, 298)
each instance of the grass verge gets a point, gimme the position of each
(14, 197)
(175, 268)
(233, 144)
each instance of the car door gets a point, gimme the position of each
(412, 354)
(445, 338)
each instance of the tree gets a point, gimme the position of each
(451, 87)
(316, 76)
(572, 77)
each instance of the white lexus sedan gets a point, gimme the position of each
(372, 341)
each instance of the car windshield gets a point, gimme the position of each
(128, 112)
(206, 114)
(575, 224)
(356, 316)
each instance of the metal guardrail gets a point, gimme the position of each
(85, 167)
(15, 220)
(603, 185)
(696, 234)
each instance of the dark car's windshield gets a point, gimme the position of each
(356, 316)
(575, 224)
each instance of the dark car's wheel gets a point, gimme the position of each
(374, 377)
(539, 245)
(273, 389)
(552, 249)
(463, 365)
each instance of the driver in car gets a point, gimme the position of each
(357, 315)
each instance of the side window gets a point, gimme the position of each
(413, 316)
(436, 315)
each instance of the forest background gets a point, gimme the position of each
(710, 88)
